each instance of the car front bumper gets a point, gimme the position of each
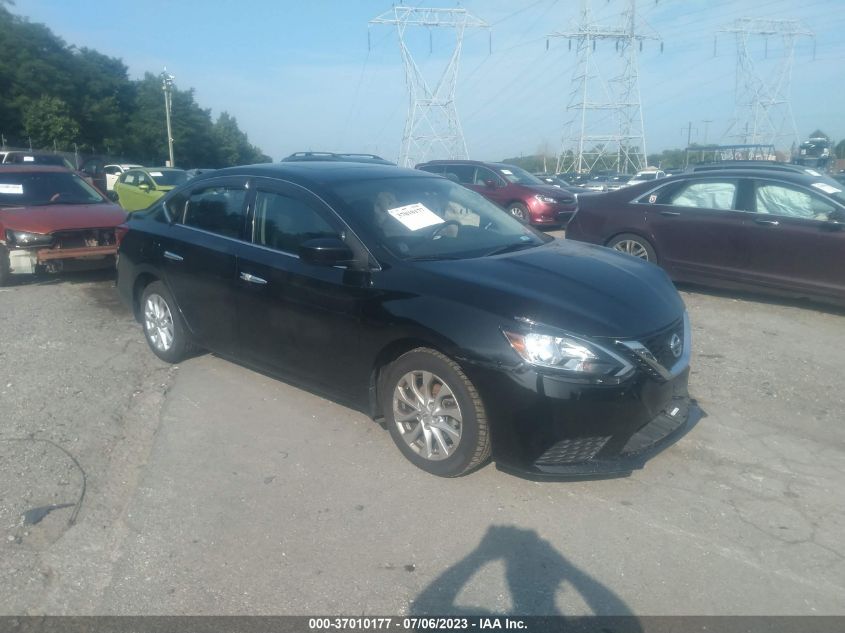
(551, 214)
(546, 427)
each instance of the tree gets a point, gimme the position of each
(48, 123)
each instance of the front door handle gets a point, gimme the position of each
(671, 214)
(253, 279)
(766, 222)
(173, 256)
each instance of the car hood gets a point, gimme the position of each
(581, 288)
(61, 217)
(549, 190)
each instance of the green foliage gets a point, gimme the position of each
(47, 122)
(60, 95)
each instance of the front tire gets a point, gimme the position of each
(164, 329)
(635, 246)
(520, 212)
(434, 413)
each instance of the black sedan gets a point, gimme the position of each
(771, 231)
(423, 304)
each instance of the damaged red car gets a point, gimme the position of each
(51, 219)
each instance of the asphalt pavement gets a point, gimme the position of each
(212, 489)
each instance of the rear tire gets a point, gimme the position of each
(434, 413)
(634, 245)
(164, 328)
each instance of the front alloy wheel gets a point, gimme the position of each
(158, 322)
(634, 245)
(434, 413)
(427, 415)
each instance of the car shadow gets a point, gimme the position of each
(535, 572)
(66, 277)
(747, 295)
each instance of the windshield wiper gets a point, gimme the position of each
(509, 248)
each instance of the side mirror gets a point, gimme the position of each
(112, 195)
(144, 186)
(326, 251)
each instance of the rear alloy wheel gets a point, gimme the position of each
(519, 211)
(434, 413)
(633, 245)
(163, 326)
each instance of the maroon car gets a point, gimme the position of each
(50, 217)
(523, 195)
(775, 232)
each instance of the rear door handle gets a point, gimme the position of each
(173, 256)
(670, 213)
(766, 222)
(253, 279)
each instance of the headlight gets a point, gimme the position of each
(545, 199)
(570, 355)
(24, 238)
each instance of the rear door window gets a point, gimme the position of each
(464, 174)
(217, 209)
(719, 195)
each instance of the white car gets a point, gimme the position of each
(113, 173)
(645, 175)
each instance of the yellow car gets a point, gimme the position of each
(138, 188)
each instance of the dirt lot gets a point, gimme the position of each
(208, 488)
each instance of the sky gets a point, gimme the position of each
(312, 75)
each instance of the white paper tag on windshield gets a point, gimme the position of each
(29, 159)
(826, 187)
(16, 190)
(156, 174)
(812, 172)
(507, 171)
(415, 216)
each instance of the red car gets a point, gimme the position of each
(50, 217)
(523, 195)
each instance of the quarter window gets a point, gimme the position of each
(791, 202)
(284, 223)
(705, 195)
(217, 210)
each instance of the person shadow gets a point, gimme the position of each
(534, 572)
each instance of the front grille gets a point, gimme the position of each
(83, 238)
(659, 346)
(577, 449)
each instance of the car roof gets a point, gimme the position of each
(337, 156)
(33, 168)
(317, 172)
(755, 165)
(773, 174)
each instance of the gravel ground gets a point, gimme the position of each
(129, 486)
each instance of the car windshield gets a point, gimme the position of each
(169, 177)
(431, 218)
(37, 159)
(25, 189)
(518, 175)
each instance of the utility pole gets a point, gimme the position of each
(605, 119)
(167, 87)
(763, 109)
(689, 129)
(432, 128)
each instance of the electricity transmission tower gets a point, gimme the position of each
(604, 126)
(432, 128)
(762, 102)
